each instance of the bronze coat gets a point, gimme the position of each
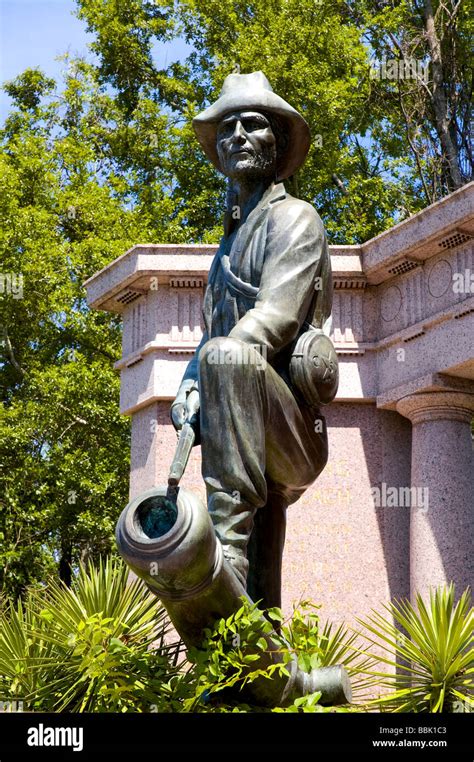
(269, 280)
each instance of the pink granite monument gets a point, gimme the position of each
(392, 513)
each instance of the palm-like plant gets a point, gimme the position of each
(21, 655)
(434, 661)
(97, 646)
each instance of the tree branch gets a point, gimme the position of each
(402, 53)
(440, 107)
(75, 417)
(337, 181)
(413, 147)
(10, 354)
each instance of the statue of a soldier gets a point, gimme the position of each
(265, 364)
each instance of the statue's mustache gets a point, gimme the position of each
(241, 149)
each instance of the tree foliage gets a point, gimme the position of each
(431, 108)
(107, 158)
(64, 446)
(382, 148)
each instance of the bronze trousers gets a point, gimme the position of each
(261, 449)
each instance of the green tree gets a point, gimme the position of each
(320, 66)
(428, 44)
(382, 148)
(108, 159)
(64, 446)
(314, 57)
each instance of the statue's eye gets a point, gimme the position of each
(224, 129)
(253, 124)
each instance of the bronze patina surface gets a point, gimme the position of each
(251, 395)
(263, 437)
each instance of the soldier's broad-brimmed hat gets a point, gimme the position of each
(253, 92)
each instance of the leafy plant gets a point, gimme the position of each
(103, 645)
(97, 646)
(234, 654)
(318, 645)
(434, 661)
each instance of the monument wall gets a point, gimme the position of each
(392, 513)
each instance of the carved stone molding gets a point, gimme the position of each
(440, 405)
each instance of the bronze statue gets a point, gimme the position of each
(251, 394)
(265, 364)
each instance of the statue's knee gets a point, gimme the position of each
(223, 352)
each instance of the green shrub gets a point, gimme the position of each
(230, 659)
(101, 646)
(98, 646)
(434, 660)
(325, 646)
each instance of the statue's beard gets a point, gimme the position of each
(255, 167)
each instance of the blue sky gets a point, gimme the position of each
(34, 32)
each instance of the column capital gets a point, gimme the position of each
(437, 405)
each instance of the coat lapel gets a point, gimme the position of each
(244, 258)
(239, 252)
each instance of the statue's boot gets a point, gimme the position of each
(233, 523)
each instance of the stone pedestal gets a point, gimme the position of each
(442, 482)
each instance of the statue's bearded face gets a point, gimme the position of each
(246, 145)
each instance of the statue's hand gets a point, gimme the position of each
(185, 405)
(178, 414)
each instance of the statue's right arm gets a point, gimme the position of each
(189, 382)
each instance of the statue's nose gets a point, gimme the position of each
(239, 133)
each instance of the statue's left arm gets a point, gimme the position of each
(294, 253)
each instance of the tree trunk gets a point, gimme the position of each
(440, 105)
(65, 564)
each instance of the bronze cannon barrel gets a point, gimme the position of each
(167, 538)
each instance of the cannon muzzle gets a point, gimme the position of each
(166, 537)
